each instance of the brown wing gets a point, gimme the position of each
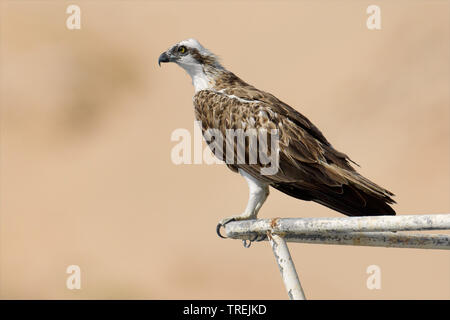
(309, 167)
(233, 85)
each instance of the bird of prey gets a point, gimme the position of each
(309, 168)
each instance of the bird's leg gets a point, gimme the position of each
(258, 193)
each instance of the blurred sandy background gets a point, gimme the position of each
(86, 119)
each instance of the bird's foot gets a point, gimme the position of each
(256, 238)
(239, 217)
(225, 221)
(222, 223)
(247, 243)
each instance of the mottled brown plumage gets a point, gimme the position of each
(309, 167)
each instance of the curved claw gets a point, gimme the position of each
(247, 243)
(219, 225)
(257, 237)
(222, 224)
(261, 237)
(254, 238)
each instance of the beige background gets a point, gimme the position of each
(86, 119)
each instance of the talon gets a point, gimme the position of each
(255, 237)
(219, 225)
(261, 237)
(247, 243)
(222, 224)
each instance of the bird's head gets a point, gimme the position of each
(189, 53)
(199, 62)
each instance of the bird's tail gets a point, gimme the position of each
(353, 202)
(359, 197)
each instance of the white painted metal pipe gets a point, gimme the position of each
(347, 224)
(287, 267)
(361, 231)
(376, 239)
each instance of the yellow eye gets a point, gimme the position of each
(182, 49)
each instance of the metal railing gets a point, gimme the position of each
(376, 231)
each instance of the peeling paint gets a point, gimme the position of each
(358, 231)
(287, 268)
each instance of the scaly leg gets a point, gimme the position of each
(258, 193)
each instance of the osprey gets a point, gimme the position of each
(308, 167)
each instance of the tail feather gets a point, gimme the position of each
(356, 203)
(346, 199)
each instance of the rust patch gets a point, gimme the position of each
(274, 222)
(357, 241)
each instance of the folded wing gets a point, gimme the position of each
(309, 167)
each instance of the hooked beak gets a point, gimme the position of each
(164, 58)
